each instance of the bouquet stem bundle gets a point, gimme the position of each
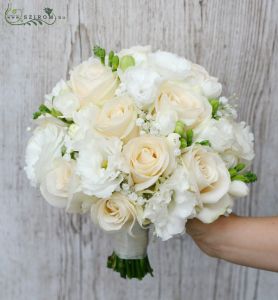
(129, 257)
(130, 268)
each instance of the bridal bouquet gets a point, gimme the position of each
(139, 139)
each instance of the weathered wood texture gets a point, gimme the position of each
(47, 254)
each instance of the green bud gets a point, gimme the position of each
(100, 53)
(115, 63)
(44, 109)
(110, 58)
(36, 115)
(179, 129)
(250, 177)
(183, 143)
(189, 137)
(215, 105)
(126, 62)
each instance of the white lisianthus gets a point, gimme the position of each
(238, 189)
(244, 141)
(210, 212)
(63, 99)
(169, 208)
(148, 158)
(67, 103)
(169, 65)
(93, 82)
(100, 165)
(58, 88)
(190, 107)
(200, 78)
(142, 84)
(59, 183)
(84, 122)
(43, 147)
(114, 212)
(209, 172)
(139, 53)
(118, 118)
(220, 134)
(80, 203)
(233, 141)
(165, 121)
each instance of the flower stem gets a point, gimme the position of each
(130, 268)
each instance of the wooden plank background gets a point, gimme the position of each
(47, 254)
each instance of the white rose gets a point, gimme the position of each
(114, 212)
(93, 82)
(238, 189)
(169, 208)
(209, 172)
(118, 118)
(139, 53)
(209, 85)
(212, 211)
(148, 157)
(141, 84)
(169, 65)
(99, 166)
(43, 147)
(59, 183)
(189, 106)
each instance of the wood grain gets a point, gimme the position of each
(47, 254)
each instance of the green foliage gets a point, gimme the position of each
(246, 177)
(43, 110)
(189, 137)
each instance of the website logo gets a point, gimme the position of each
(17, 16)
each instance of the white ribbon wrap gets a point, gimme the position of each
(128, 246)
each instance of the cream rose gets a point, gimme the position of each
(93, 82)
(59, 183)
(148, 158)
(117, 118)
(189, 106)
(114, 212)
(210, 173)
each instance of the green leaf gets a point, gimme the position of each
(63, 150)
(240, 167)
(204, 143)
(110, 58)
